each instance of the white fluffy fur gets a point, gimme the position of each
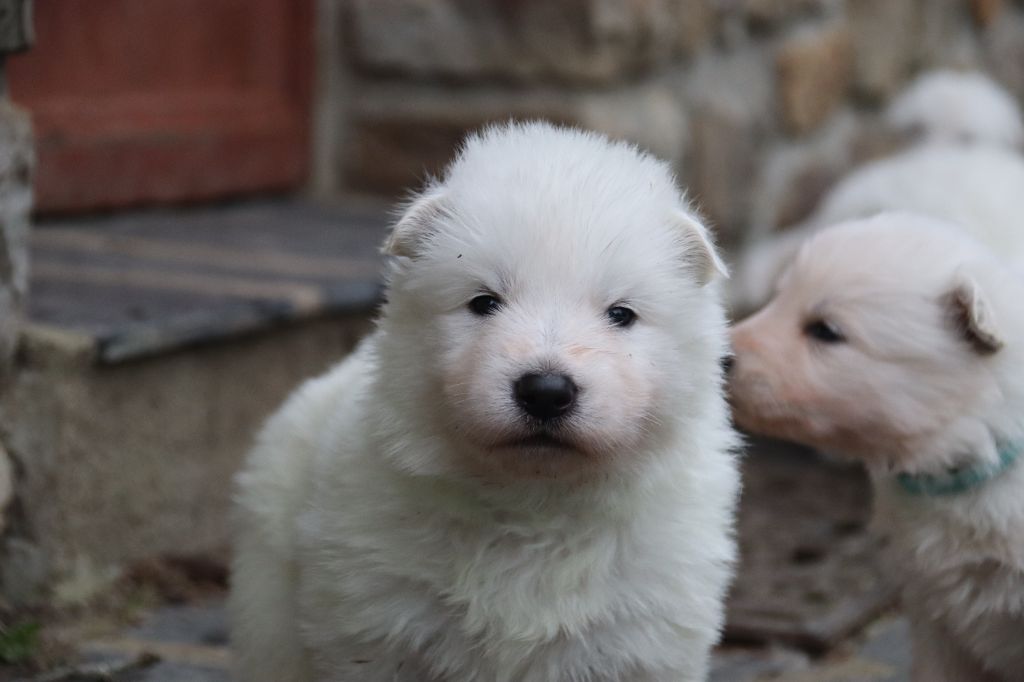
(958, 106)
(976, 185)
(390, 528)
(980, 188)
(930, 375)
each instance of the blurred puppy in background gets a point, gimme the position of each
(899, 341)
(955, 107)
(964, 166)
(526, 474)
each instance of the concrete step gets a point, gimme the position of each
(157, 343)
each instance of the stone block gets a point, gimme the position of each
(17, 33)
(795, 174)
(331, 89)
(737, 664)
(771, 14)
(986, 11)
(732, 114)
(814, 75)
(884, 35)
(724, 162)
(947, 36)
(1003, 44)
(16, 162)
(6, 486)
(577, 40)
(402, 133)
(122, 462)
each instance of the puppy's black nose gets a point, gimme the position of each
(545, 396)
(727, 362)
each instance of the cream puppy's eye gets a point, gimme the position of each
(824, 331)
(485, 304)
(621, 316)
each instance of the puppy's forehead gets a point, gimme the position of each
(892, 252)
(581, 200)
(540, 155)
(564, 252)
(550, 170)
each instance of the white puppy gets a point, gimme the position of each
(899, 341)
(978, 187)
(966, 170)
(526, 473)
(957, 107)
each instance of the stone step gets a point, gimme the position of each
(143, 283)
(157, 343)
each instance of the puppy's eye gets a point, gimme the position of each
(824, 331)
(621, 316)
(485, 304)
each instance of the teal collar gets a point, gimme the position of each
(961, 479)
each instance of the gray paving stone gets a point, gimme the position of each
(168, 671)
(192, 624)
(753, 664)
(888, 641)
(881, 654)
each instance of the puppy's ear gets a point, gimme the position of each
(701, 254)
(974, 317)
(418, 222)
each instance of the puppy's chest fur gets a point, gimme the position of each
(493, 597)
(961, 559)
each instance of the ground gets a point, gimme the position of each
(188, 643)
(809, 604)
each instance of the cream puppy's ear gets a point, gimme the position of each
(974, 316)
(417, 224)
(701, 254)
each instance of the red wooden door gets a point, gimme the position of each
(138, 101)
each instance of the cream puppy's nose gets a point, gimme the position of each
(545, 396)
(727, 362)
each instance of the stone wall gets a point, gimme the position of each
(15, 202)
(16, 163)
(761, 104)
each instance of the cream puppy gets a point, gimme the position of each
(965, 168)
(899, 341)
(526, 473)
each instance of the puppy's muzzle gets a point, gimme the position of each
(545, 396)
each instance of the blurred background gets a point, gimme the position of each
(191, 197)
